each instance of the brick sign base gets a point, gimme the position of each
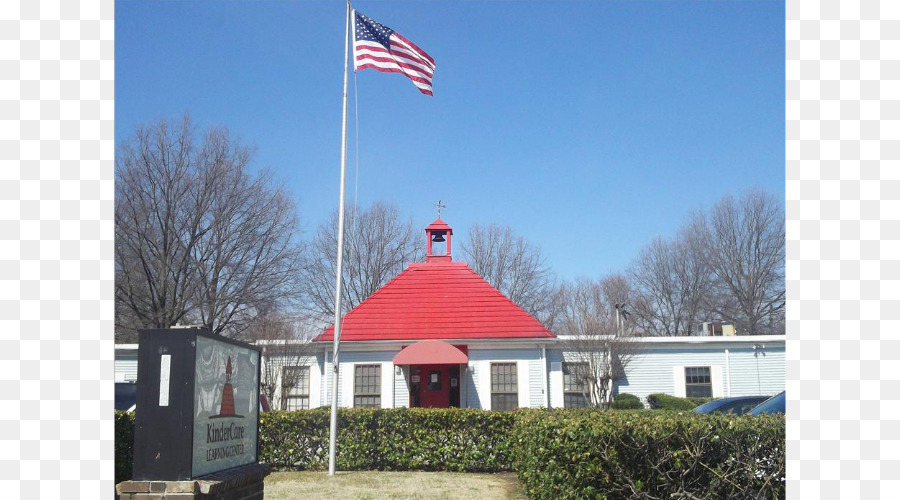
(240, 483)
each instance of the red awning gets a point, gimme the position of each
(431, 352)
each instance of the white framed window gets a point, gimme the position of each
(367, 386)
(296, 387)
(504, 386)
(575, 385)
(698, 382)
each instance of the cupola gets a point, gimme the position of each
(439, 234)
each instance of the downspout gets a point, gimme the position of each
(728, 373)
(546, 387)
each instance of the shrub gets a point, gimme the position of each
(560, 453)
(649, 454)
(124, 443)
(666, 402)
(430, 439)
(627, 401)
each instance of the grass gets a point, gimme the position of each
(392, 485)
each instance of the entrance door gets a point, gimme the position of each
(435, 386)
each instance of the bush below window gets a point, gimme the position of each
(667, 402)
(649, 454)
(627, 401)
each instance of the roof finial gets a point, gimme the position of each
(439, 208)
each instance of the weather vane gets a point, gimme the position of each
(439, 208)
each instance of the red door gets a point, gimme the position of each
(435, 386)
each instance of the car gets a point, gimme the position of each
(126, 396)
(773, 405)
(738, 405)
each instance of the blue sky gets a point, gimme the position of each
(588, 127)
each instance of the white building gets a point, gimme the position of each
(438, 335)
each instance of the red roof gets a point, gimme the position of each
(439, 225)
(437, 300)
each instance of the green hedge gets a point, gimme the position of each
(667, 402)
(559, 453)
(627, 401)
(124, 443)
(397, 439)
(649, 454)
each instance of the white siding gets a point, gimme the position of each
(126, 366)
(535, 383)
(315, 383)
(349, 359)
(401, 388)
(747, 380)
(475, 377)
(475, 390)
(478, 379)
(661, 369)
(327, 375)
(555, 359)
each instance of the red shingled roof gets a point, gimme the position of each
(439, 225)
(437, 300)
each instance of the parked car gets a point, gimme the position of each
(126, 396)
(775, 404)
(738, 405)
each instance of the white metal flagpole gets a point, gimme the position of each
(332, 440)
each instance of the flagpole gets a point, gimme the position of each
(332, 440)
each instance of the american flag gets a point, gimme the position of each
(378, 47)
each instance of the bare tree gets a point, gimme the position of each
(672, 282)
(286, 345)
(597, 335)
(515, 267)
(378, 245)
(744, 241)
(198, 238)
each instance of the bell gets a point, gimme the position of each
(438, 238)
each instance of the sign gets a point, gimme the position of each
(226, 406)
(197, 404)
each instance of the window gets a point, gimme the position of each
(575, 386)
(504, 386)
(295, 387)
(434, 381)
(697, 382)
(367, 386)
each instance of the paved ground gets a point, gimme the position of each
(392, 485)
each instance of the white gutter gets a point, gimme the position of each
(737, 339)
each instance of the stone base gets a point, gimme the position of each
(240, 483)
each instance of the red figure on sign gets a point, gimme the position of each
(227, 409)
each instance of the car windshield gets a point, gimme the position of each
(775, 404)
(710, 406)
